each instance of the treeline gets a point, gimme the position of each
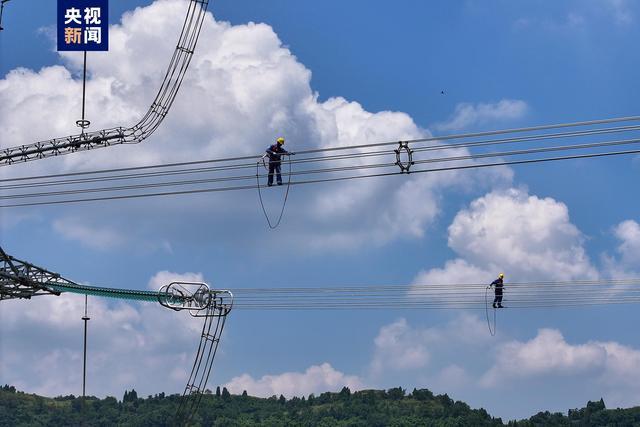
(393, 407)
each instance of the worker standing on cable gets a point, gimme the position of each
(498, 284)
(275, 153)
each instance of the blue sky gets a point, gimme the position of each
(525, 62)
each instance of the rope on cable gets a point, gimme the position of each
(286, 194)
(492, 328)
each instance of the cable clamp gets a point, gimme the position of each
(83, 124)
(403, 147)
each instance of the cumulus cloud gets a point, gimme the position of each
(468, 115)
(628, 232)
(243, 89)
(398, 347)
(611, 365)
(624, 263)
(527, 237)
(547, 353)
(402, 347)
(461, 357)
(163, 278)
(454, 271)
(316, 379)
(531, 236)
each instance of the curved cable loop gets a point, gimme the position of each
(492, 328)
(286, 195)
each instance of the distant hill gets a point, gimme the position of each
(393, 407)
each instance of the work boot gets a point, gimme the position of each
(500, 306)
(494, 305)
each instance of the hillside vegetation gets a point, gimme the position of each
(393, 407)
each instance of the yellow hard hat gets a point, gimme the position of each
(501, 275)
(280, 140)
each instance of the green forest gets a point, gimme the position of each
(393, 407)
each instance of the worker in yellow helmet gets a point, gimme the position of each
(275, 153)
(499, 284)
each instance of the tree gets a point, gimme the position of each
(218, 391)
(396, 393)
(225, 394)
(345, 392)
(130, 396)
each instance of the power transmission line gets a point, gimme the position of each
(301, 182)
(229, 170)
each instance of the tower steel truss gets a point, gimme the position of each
(148, 123)
(213, 306)
(20, 279)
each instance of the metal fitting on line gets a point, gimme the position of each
(403, 146)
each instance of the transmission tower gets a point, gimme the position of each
(20, 279)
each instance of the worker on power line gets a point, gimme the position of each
(498, 284)
(275, 153)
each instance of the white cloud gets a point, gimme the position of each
(524, 236)
(93, 234)
(610, 364)
(460, 357)
(316, 379)
(547, 353)
(398, 347)
(624, 264)
(468, 115)
(163, 278)
(628, 232)
(243, 89)
(401, 347)
(92, 237)
(454, 272)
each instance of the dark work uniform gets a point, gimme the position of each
(275, 152)
(498, 283)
